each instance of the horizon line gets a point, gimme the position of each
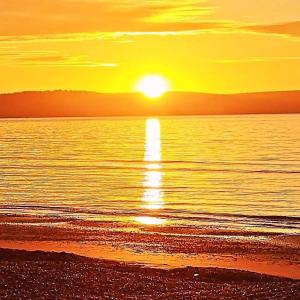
(138, 93)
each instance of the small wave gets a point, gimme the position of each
(139, 168)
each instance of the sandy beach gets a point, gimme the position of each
(48, 275)
(155, 246)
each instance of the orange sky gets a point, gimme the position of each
(219, 46)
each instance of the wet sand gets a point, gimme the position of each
(48, 275)
(162, 247)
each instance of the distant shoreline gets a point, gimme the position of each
(55, 104)
(142, 116)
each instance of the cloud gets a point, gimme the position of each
(49, 58)
(157, 29)
(35, 17)
(288, 29)
(257, 59)
(82, 36)
(184, 11)
(78, 20)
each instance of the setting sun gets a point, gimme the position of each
(152, 86)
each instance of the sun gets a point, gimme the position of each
(152, 86)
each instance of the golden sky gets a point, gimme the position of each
(218, 46)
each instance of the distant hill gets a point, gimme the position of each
(91, 104)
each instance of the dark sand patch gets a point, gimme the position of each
(45, 275)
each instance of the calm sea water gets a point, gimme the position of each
(223, 172)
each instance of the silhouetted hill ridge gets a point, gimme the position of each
(92, 104)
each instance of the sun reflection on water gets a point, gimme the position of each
(152, 143)
(149, 220)
(152, 197)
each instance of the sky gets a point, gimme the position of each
(215, 46)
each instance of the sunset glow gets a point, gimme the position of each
(159, 137)
(214, 46)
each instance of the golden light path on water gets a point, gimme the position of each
(152, 198)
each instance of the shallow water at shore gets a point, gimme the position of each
(282, 265)
(48, 275)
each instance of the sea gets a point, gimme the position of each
(239, 173)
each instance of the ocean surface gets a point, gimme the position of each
(219, 172)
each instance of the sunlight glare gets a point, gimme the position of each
(152, 145)
(152, 197)
(152, 86)
(149, 220)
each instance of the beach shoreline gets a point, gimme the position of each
(61, 275)
(159, 247)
